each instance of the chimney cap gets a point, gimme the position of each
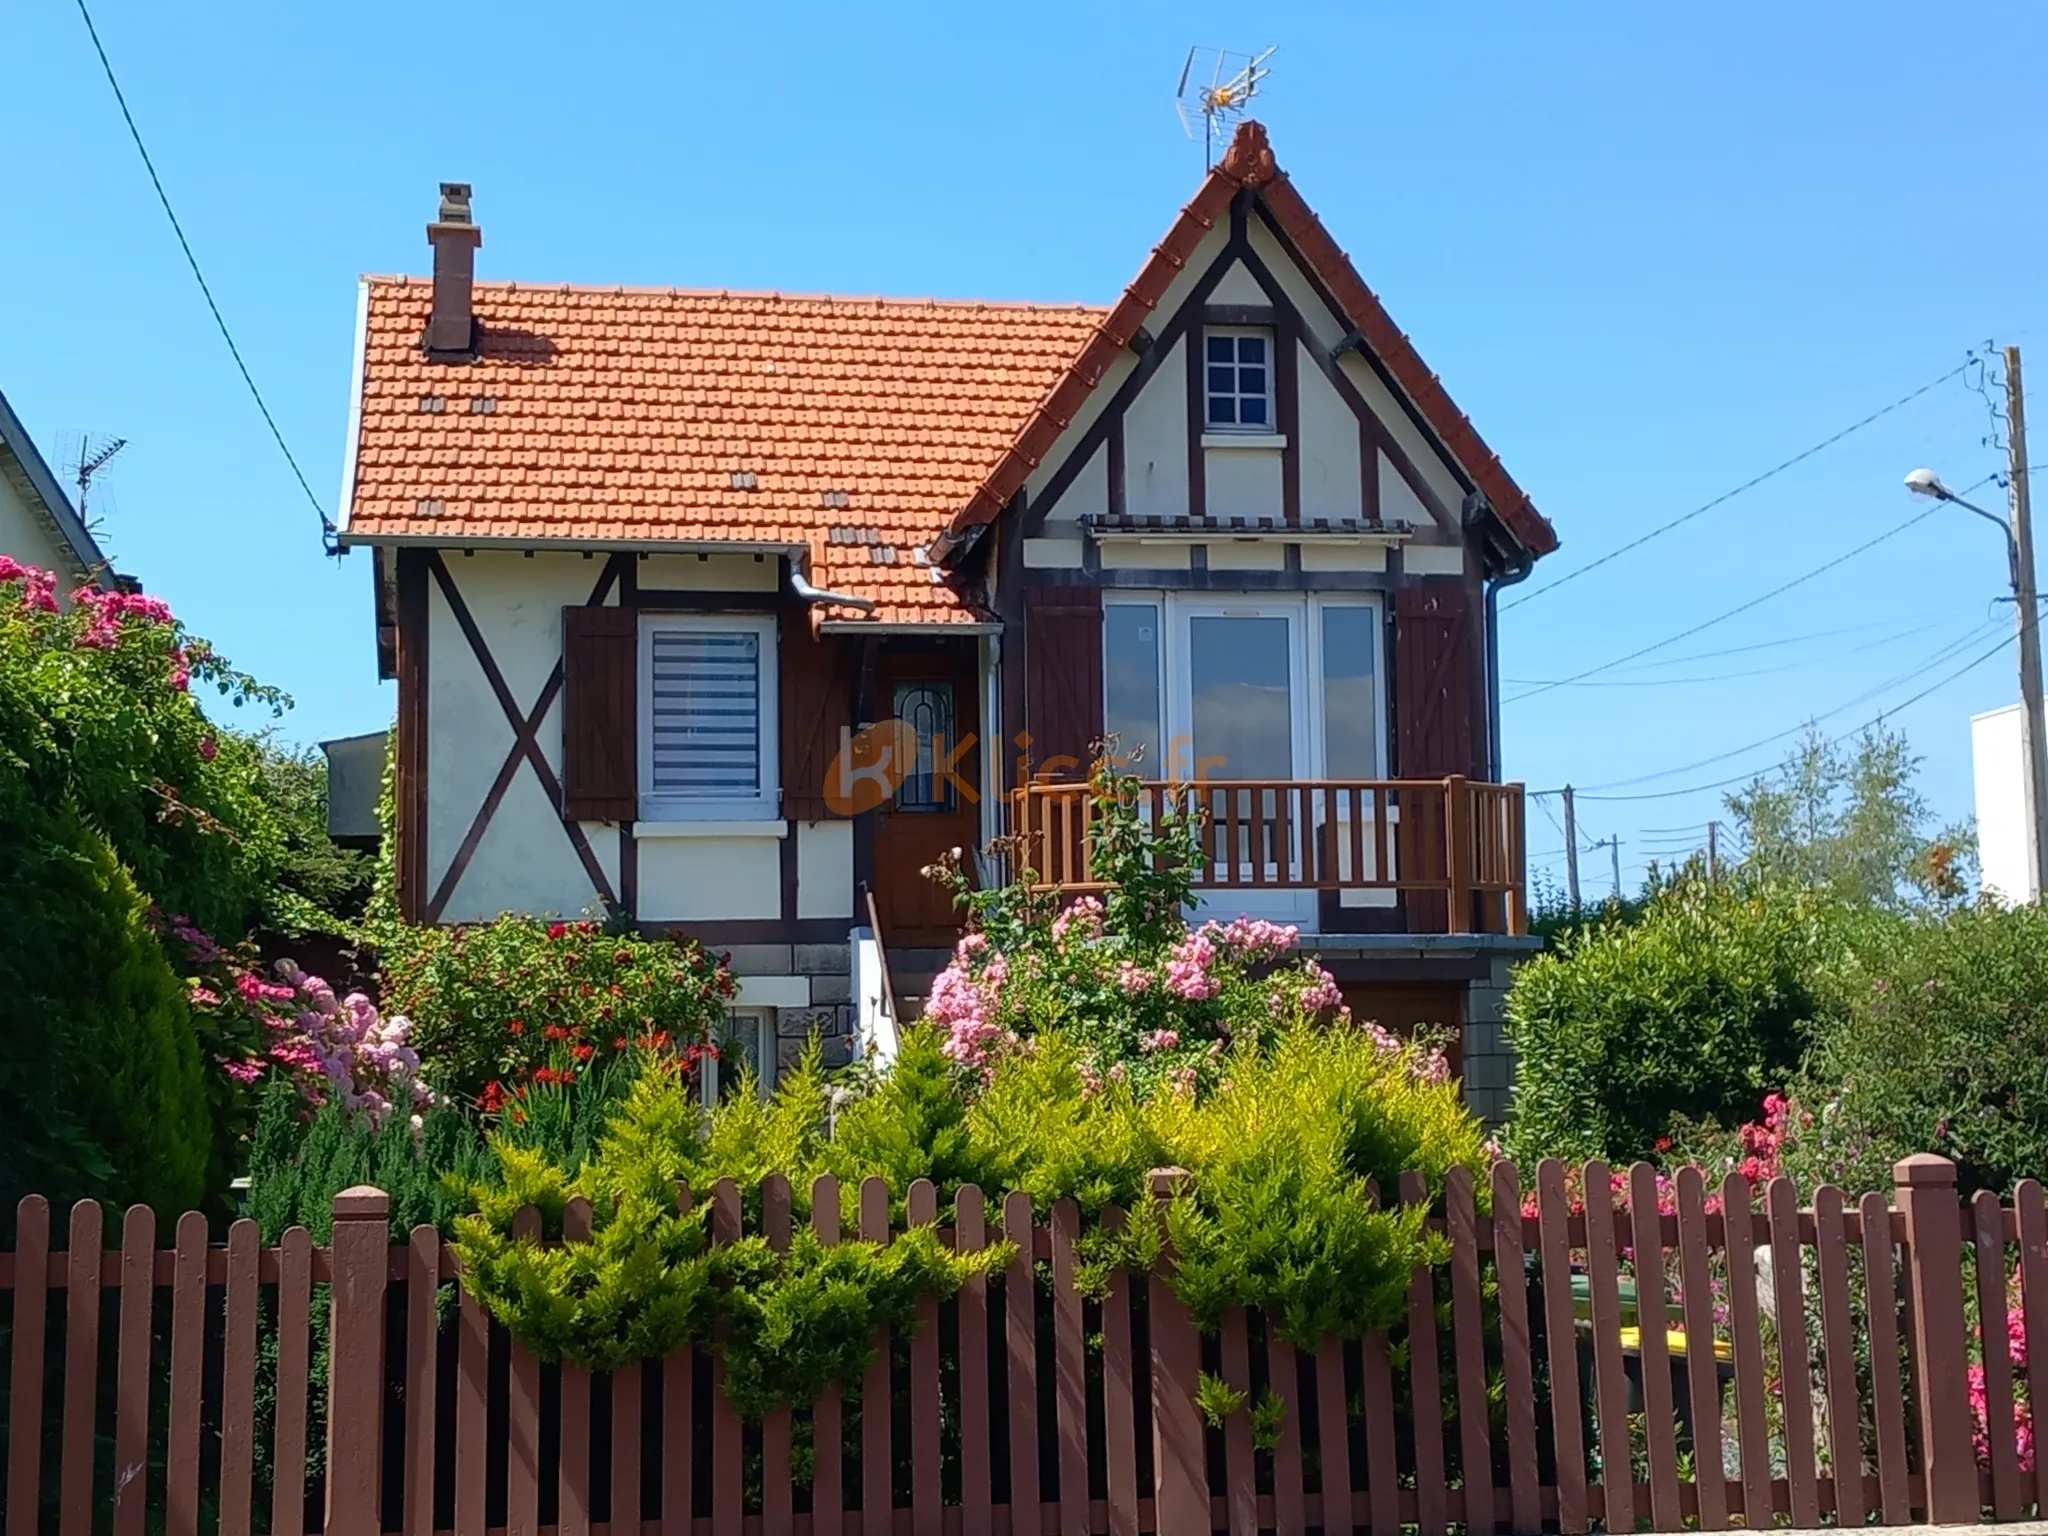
(454, 202)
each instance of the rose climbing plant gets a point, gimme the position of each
(1147, 999)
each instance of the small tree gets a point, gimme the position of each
(1854, 821)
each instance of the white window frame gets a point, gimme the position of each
(1174, 608)
(766, 803)
(1268, 427)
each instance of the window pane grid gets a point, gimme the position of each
(1238, 384)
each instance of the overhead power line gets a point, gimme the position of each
(1744, 778)
(1727, 496)
(1740, 608)
(1772, 670)
(327, 529)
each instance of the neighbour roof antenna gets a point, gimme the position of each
(88, 459)
(1232, 80)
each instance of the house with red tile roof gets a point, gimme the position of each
(735, 611)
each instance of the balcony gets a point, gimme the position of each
(1449, 852)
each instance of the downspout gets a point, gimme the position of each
(1516, 573)
(811, 594)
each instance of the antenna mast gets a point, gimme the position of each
(91, 461)
(1233, 80)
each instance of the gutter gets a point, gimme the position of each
(1516, 573)
(811, 594)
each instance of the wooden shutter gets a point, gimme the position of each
(817, 708)
(1063, 674)
(1432, 682)
(600, 714)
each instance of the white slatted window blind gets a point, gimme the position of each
(708, 699)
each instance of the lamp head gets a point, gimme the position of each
(1925, 482)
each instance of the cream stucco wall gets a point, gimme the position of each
(1156, 442)
(710, 879)
(25, 536)
(1329, 445)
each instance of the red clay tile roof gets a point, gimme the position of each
(1249, 163)
(618, 415)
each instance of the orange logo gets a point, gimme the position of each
(870, 764)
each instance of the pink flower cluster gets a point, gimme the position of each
(38, 586)
(1187, 969)
(106, 611)
(1159, 1040)
(1762, 1142)
(967, 1003)
(1084, 915)
(1321, 994)
(2022, 1409)
(344, 1049)
(1251, 938)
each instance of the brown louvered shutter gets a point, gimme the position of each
(600, 714)
(817, 708)
(1063, 674)
(1432, 730)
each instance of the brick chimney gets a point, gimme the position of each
(451, 328)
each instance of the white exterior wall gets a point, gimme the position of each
(1999, 764)
(1156, 442)
(28, 538)
(1329, 445)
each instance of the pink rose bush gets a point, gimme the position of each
(1146, 997)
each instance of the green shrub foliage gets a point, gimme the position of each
(102, 1091)
(1695, 1009)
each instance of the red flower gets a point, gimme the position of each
(582, 1052)
(492, 1098)
(1663, 1143)
(516, 1027)
(556, 930)
(554, 1032)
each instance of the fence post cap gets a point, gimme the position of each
(362, 1202)
(1166, 1182)
(1924, 1170)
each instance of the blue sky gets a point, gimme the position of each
(1651, 251)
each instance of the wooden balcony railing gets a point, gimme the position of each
(1453, 848)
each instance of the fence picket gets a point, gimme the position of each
(131, 1391)
(422, 1280)
(522, 1451)
(778, 1491)
(1646, 1233)
(1475, 1443)
(1333, 1440)
(238, 1377)
(1752, 1435)
(1119, 1424)
(1240, 1486)
(1069, 1372)
(977, 1485)
(1610, 1377)
(728, 1458)
(1988, 1223)
(627, 1388)
(877, 1492)
(188, 1365)
(921, 1208)
(1425, 1391)
(1788, 1285)
(25, 1376)
(81, 1367)
(294, 1378)
(1525, 1498)
(1020, 1337)
(1887, 1385)
(472, 1411)
(1702, 1355)
(572, 1439)
(678, 1431)
(1838, 1343)
(2032, 1221)
(1283, 1375)
(1382, 1465)
(828, 1413)
(1560, 1337)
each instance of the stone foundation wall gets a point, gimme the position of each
(1489, 1065)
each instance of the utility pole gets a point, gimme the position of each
(1713, 850)
(1571, 850)
(1614, 848)
(2028, 618)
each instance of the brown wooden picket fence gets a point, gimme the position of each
(176, 1389)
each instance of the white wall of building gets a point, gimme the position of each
(26, 536)
(1999, 764)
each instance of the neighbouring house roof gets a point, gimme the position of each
(1248, 164)
(23, 464)
(852, 428)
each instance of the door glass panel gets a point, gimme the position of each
(926, 708)
(1350, 710)
(1242, 710)
(1130, 648)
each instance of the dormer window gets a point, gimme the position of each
(1239, 380)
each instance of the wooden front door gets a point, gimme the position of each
(936, 806)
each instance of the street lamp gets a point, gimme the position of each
(2019, 557)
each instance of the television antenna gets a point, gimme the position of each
(89, 455)
(1217, 85)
